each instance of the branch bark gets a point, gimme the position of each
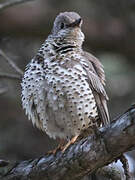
(83, 157)
(12, 3)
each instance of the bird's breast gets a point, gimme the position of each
(70, 96)
(58, 98)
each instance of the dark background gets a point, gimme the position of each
(109, 28)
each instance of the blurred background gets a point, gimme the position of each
(109, 28)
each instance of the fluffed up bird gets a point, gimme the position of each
(63, 86)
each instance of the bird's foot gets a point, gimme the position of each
(54, 151)
(58, 148)
(69, 143)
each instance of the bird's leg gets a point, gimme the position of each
(59, 147)
(69, 143)
(61, 144)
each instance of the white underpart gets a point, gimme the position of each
(64, 101)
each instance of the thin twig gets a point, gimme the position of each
(125, 164)
(11, 63)
(10, 76)
(11, 3)
(3, 90)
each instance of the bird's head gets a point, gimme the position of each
(67, 26)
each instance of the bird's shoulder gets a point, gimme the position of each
(95, 72)
(94, 65)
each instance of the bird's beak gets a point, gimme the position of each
(76, 23)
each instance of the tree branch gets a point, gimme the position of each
(83, 157)
(12, 3)
(11, 63)
(10, 76)
(3, 163)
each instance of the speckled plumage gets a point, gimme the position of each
(63, 86)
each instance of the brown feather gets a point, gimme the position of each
(96, 79)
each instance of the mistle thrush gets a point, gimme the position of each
(63, 86)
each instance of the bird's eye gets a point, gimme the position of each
(61, 25)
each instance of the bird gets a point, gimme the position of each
(63, 87)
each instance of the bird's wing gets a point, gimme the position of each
(96, 79)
